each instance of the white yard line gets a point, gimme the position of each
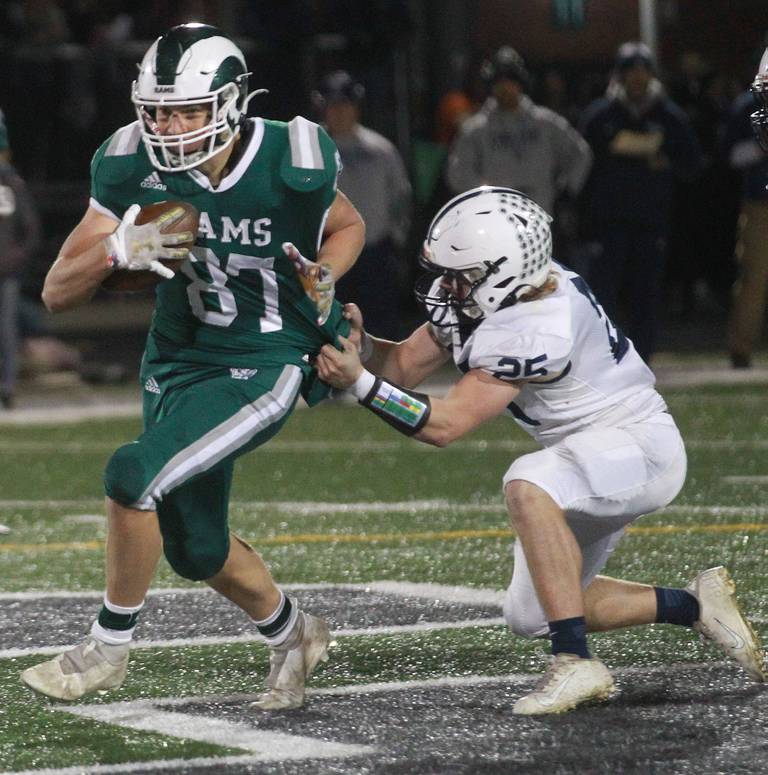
(355, 445)
(444, 593)
(151, 715)
(217, 763)
(254, 637)
(265, 746)
(390, 507)
(426, 591)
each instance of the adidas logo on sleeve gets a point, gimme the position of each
(151, 386)
(153, 181)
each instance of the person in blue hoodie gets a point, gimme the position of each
(642, 142)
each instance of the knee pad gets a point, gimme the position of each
(524, 617)
(126, 476)
(195, 560)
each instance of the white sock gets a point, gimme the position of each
(280, 624)
(115, 637)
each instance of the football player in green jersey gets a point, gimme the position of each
(230, 346)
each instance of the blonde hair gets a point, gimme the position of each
(548, 286)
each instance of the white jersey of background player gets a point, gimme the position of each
(531, 339)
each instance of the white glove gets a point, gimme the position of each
(138, 248)
(316, 279)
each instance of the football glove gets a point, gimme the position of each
(316, 279)
(139, 248)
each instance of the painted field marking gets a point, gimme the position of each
(354, 445)
(264, 746)
(115, 712)
(426, 535)
(744, 479)
(254, 637)
(480, 596)
(386, 507)
(155, 765)
(426, 591)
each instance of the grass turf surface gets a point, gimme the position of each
(365, 461)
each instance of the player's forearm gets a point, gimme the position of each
(341, 248)
(408, 363)
(73, 280)
(384, 361)
(441, 429)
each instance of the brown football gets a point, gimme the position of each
(124, 280)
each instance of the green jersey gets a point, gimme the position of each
(237, 301)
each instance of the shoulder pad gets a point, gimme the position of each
(303, 166)
(118, 157)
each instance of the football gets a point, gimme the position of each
(125, 280)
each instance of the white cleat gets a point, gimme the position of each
(91, 666)
(291, 665)
(569, 681)
(721, 620)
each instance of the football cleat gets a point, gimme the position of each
(292, 664)
(569, 681)
(721, 620)
(91, 666)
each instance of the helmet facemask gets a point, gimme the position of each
(440, 289)
(167, 151)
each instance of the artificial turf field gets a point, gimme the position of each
(423, 677)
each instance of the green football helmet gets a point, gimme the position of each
(192, 64)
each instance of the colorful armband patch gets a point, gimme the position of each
(407, 411)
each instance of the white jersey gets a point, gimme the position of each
(576, 370)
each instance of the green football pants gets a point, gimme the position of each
(198, 420)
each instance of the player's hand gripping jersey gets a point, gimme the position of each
(576, 370)
(238, 297)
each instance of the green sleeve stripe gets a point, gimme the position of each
(305, 144)
(125, 141)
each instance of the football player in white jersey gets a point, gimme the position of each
(531, 340)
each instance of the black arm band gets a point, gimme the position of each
(405, 410)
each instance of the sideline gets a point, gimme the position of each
(670, 373)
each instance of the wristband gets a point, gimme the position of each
(405, 410)
(363, 385)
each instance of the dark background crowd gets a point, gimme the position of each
(646, 189)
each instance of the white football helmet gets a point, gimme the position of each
(192, 64)
(760, 95)
(483, 249)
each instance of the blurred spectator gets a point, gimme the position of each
(554, 93)
(373, 176)
(745, 324)
(454, 108)
(642, 142)
(45, 22)
(513, 142)
(19, 238)
(703, 226)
